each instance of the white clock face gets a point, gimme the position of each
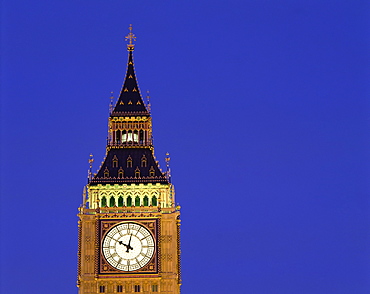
(128, 246)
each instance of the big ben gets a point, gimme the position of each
(129, 225)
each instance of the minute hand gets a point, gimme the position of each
(129, 246)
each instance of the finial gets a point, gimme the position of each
(111, 102)
(168, 172)
(84, 197)
(148, 101)
(91, 160)
(130, 37)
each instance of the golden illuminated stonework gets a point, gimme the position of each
(129, 225)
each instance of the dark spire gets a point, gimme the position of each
(130, 102)
(130, 155)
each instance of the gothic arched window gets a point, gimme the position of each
(118, 136)
(129, 161)
(129, 136)
(141, 137)
(120, 201)
(146, 201)
(129, 201)
(151, 172)
(154, 201)
(112, 202)
(143, 161)
(115, 161)
(137, 173)
(106, 172)
(137, 201)
(103, 202)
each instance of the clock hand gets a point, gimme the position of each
(129, 246)
(121, 243)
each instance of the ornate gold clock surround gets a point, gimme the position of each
(104, 268)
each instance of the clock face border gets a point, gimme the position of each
(104, 268)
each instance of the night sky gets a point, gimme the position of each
(263, 106)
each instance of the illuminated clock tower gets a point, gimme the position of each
(129, 226)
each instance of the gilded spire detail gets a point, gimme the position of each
(130, 38)
(111, 103)
(89, 175)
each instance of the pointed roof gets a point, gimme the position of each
(130, 102)
(129, 165)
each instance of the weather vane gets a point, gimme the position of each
(130, 37)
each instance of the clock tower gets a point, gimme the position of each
(129, 226)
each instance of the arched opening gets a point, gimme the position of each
(151, 172)
(106, 172)
(112, 202)
(137, 201)
(137, 173)
(120, 201)
(118, 136)
(146, 201)
(154, 201)
(115, 161)
(136, 136)
(143, 161)
(141, 137)
(124, 136)
(103, 202)
(129, 201)
(129, 136)
(129, 161)
(120, 173)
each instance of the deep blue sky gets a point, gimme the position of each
(263, 106)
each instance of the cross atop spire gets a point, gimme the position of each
(130, 37)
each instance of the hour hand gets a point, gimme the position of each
(121, 243)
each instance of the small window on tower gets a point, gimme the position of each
(124, 136)
(115, 161)
(102, 289)
(143, 161)
(129, 161)
(120, 173)
(112, 202)
(137, 173)
(151, 172)
(136, 136)
(119, 288)
(137, 288)
(106, 172)
(154, 288)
